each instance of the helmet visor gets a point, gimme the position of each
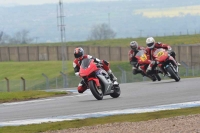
(133, 47)
(150, 45)
(78, 55)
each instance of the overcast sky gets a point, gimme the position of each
(36, 2)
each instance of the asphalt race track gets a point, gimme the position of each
(133, 95)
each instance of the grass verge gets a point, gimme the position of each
(36, 128)
(124, 42)
(27, 95)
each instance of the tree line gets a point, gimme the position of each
(20, 37)
(98, 32)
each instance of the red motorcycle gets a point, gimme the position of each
(166, 63)
(98, 80)
(143, 63)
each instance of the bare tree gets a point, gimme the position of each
(101, 32)
(1, 35)
(21, 37)
(5, 39)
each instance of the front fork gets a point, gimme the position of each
(96, 80)
(174, 67)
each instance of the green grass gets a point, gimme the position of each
(26, 95)
(34, 70)
(36, 128)
(124, 42)
(31, 70)
(32, 73)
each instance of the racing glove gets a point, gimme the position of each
(77, 74)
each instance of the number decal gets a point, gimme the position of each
(160, 53)
(143, 57)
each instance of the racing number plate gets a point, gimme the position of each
(143, 57)
(160, 53)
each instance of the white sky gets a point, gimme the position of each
(36, 2)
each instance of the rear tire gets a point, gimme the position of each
(173, 74)
(116, 92)
(97, 93)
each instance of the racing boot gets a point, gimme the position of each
(112, 77)
(149, 70)
(136, 71)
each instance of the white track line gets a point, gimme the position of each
(102, 114)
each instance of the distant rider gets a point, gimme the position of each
(132, 59)
(152, 46)
(79, 56)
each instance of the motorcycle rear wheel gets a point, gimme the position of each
(97, 92)
(116, 92)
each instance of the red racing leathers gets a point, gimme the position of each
(76, 65)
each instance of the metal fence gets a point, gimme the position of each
(65, 81)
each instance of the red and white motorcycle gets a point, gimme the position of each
(98, 80)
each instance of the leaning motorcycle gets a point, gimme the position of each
(143, 63)
(98, 80)
(167, 64)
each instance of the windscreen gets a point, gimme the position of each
(85, 63)
(140, 53)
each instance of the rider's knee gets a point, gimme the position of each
(81, 87)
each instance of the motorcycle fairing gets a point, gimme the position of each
(160, 55)
(96, 80)
(105, 79)
(87, 67)
(142, 57)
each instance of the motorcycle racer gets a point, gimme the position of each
(152, 46)
(79, 56)
(132, 59)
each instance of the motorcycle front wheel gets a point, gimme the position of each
(97, 92)
(173, 74)
(158, 77)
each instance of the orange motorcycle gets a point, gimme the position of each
(166, 63)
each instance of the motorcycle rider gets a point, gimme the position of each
(132, 59)
(79, 56)
(152, 46)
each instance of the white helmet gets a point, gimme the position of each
(150, 42)
(134, 45)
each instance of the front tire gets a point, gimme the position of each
(97, 92)
(173, 74)
(153, 78)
